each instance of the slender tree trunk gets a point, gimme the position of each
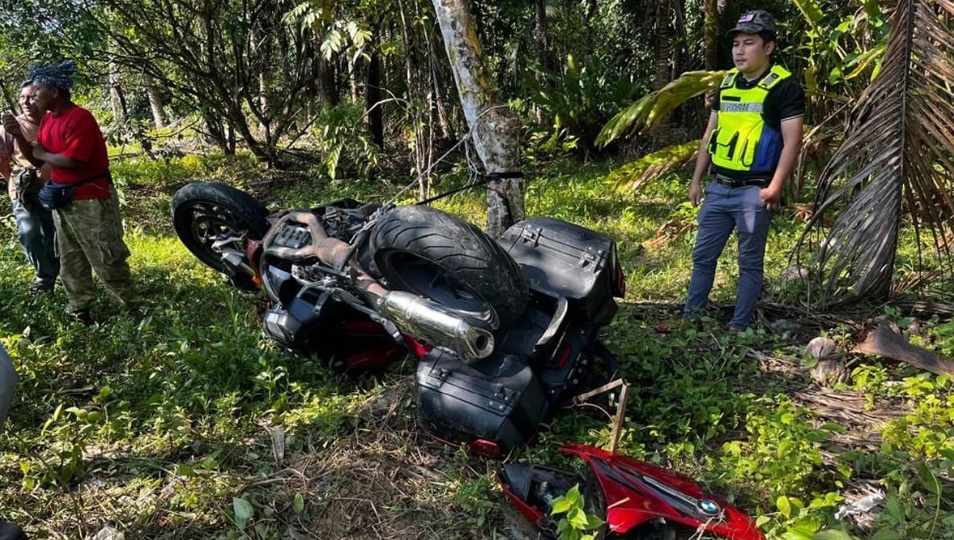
(117, 98)
(330, 93)
(438, 84)
(541, 34)
(155, 105)
(494, 128)
(353, 79)
(372, 96)
(710, 37)
(662, 61)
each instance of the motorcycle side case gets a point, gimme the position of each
(562, 259)
(497, 399)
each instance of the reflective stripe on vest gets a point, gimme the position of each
(742, 141)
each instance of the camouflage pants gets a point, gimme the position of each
(90, 239)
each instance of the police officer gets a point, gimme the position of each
(748, 150)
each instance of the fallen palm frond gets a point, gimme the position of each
(635, 174)
(898, 152)
(648, 111)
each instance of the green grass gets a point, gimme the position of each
(161, 424)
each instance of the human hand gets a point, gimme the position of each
(772, 197)
(695, 192)
(10, 123)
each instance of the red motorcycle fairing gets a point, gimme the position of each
(637, 496)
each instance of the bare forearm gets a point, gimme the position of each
(26, 148)
(59, 161)
(703, 159)
(785, 165)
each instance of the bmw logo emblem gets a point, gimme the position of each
(709, 507)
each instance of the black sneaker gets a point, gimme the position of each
(38, 287)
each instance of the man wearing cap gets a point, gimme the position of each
(89, 229)
(749, 148)
(35, 227)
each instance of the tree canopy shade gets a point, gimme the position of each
(237, 62)
(898, 155)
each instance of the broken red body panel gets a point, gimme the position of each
(634, 497)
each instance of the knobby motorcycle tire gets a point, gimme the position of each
(425, 251)
(199, 208)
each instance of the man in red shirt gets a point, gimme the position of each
(89, 229)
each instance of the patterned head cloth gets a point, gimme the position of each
(58, 76)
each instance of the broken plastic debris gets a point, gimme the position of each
(861, 506)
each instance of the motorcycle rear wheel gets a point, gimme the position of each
(430, 253)
(205, 212)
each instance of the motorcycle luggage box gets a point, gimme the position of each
(563, 259)
(496, 399)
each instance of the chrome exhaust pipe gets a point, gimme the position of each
(435, 324)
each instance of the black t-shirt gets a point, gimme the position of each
(784, 100)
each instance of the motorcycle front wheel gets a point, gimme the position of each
(206, 212)
(430, 253)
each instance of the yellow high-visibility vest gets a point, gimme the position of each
(742, 141)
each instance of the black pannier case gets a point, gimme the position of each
(564, 259)
(496, 399)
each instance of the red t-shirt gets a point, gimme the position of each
(75, 134)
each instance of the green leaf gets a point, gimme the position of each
(577, 518)
(810, 10)
(872, 10)
(243, 511)
(864, 60)
(892, 508)
(930, 479)
(649, 110)
(784, 506)
(801, 532)
(636, 174)
(886, 534)
(52, 420)
(299, 503)
(593, 522)
(560, 506)
(832, 534)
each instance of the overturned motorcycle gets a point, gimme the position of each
(634, 499)
(504, 330)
